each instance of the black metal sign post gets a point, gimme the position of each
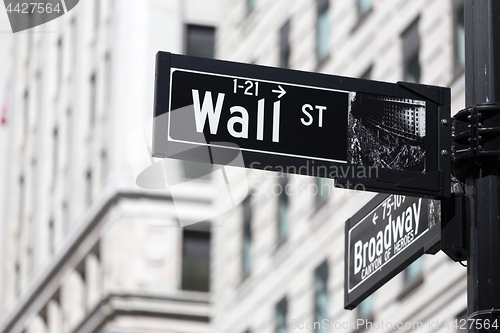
(380, 136)
(477, 161)
(383, 238)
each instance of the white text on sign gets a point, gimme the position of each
(307, 109)
(205, 109)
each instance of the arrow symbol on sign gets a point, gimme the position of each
(374, 219)
(281, 91)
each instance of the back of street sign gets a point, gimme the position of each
(378, 136)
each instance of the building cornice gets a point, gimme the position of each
(192, 306)
(93, 216)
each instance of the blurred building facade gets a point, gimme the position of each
(84, 249)
(278, 260)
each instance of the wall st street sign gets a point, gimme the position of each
(383, 238)
(385, 137)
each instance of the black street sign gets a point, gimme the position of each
(383, 238)
(369, 135)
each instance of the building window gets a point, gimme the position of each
(365, 308)
(30, 19)
(88, 195)
(251, 5)
(60, 62)
(323, 185)
(323, 30)
(26, 105)
(321, 297)
(459, 35)
(200, 41)
(55, 152)
(285, 45)
(39, 98)
(65, 216)
(43, 314)
(21, 200)
(54, 312)
(93, 100)
(367, 75)
(97, 15)
(414, 271)
(74, 41)
(412, 70)
(411, 47)
(80, 269)
(30, 261)
(107, 79)
(195, 260)
(247, 237)
(34, 187)
(17, 282)
(52, 238)
(69, 138)
(281, 316)
(364, 7)
(104, 165)
(283, 209)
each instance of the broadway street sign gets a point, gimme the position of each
(369, 135)
(383, 238)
